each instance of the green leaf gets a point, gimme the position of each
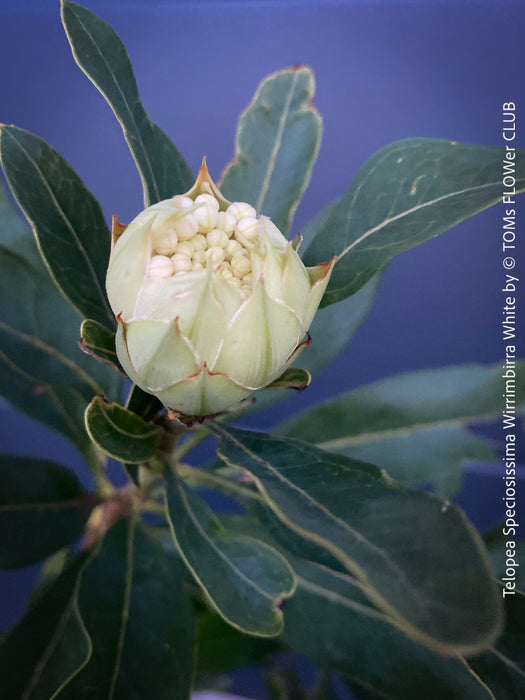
(59, 409)
(147, 407)
(29, 337)
(505, 679)
(120, 433)
(292, 378)
(276, 146)
(343, 632)
(50, 643)
(407, 193)
(14, 234)
(245, 579)
(42, 508)
(496, 543)
(98, 341)
(67, 220)
(144, 405)
(140, 620)
(42, 371)
(434, 579)
(413, 425)
(333, 327)
(222, 648)
(502, 668)
(50, 570)
(102, 56)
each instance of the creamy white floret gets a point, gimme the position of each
(207, 237)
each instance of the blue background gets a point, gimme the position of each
(384, 70)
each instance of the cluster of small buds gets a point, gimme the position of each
(207, 236)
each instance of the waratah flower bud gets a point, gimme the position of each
(212, 302)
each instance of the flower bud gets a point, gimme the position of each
(219, 318)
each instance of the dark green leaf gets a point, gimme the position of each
(50, 570)
(98, 341)
(496, 543)
(42, 508)
(412, 425)
(102, 56)
(67, 220)
(223, 648)
(140, 621)
(434, 579)
(341, 631)
(147, 407)
(292, 378)
(505, 679)
(245, 579)
(50, 643)
(14, 234)
(39, 345)
(503, 667)
(276, 146)
(120, 433)
(404, 195)
(144, 405)
(42, 371)
(61, 409)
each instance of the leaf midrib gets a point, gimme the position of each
(52, 352)
(151, 182)
(67, 222)
(265, 185)
(367, 438)
(152, 431)
(407, 212)
(71, 608)
(126, 603)
(358, 569)
(214, 546)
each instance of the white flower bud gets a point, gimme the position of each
(181, 202)
(215, 254)
(187, 226)
(165, 241)
(246, 232)
(226, 222)
(160, 266)
(199, 256)
(206, 217)
(203, 329)
(217, 238)
(241, 264)
(181, 263)
(240, 210)
(209, 200)
(185, 248)
(198, 242)
(232, 248)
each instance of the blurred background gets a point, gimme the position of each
(384, 70)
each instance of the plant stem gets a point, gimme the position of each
(97, 462)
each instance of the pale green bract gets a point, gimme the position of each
(212, 302)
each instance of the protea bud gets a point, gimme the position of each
(212, 302)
